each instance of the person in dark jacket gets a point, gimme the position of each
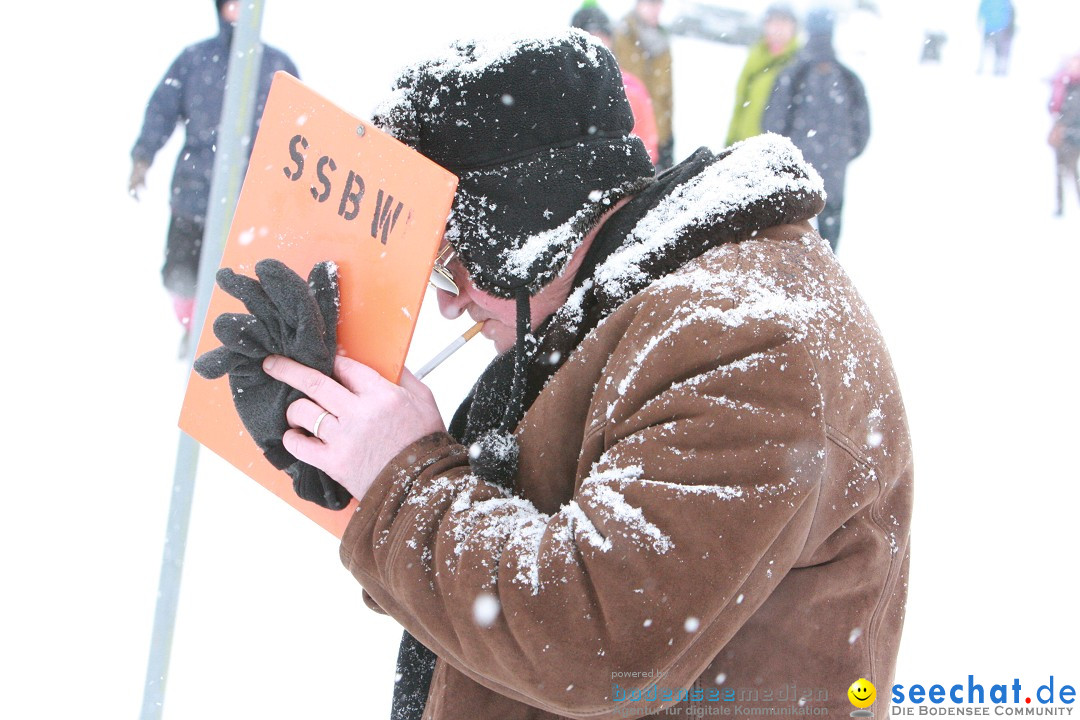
(192, 93)
(821, 105)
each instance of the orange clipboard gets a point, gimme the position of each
(324, 185)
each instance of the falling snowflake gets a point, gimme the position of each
(485, 609)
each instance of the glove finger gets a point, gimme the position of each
(291, 296)
(260, 402)
(246, 335)
(278, 456)
(217, 362)
(305, 339)
(323, 281)
(314, 485)
(248, 291)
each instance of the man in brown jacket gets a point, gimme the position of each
(684, 487)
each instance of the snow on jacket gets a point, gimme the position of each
(754, 87)
(821, 105)
(192, 93)
(713, 494)
(646, 53)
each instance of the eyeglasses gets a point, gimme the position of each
(441, 277)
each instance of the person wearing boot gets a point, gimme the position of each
(688, 470)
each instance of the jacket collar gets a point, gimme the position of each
(705, 201)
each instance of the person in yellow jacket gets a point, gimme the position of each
(767, 57)
(642, 48)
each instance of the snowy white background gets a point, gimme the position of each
(947, 231)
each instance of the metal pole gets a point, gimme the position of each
(230, 162)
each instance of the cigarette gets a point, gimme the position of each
(449, 350)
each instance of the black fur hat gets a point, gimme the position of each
(538, 132)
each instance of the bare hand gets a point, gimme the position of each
(369, 420)
(137, 181)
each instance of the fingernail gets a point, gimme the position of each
(269, 363)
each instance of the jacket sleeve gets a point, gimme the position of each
(163, 112)
(694, 496)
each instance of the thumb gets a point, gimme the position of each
(412, 384)
(356, 376)
(417, 389)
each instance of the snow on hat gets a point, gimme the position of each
(537, 130)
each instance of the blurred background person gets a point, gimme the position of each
(767, 57)
(1065, 133)
(821, 105)
(191, 93)
(997, 20)
(595, 21)
(643, 48)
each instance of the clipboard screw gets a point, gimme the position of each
(360, 129)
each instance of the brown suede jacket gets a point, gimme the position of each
(712, 511)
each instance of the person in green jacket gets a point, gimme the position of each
(768, 56)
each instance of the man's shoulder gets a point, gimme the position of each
(275, 59)
(766, 271)
(758, 58)
(212, 49)
(200, 47)
(277, 54)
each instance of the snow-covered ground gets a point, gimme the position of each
(947, 231)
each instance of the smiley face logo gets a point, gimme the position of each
(862, 693)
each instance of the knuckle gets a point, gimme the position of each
(314, 382)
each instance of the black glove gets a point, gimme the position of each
(288, 317)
